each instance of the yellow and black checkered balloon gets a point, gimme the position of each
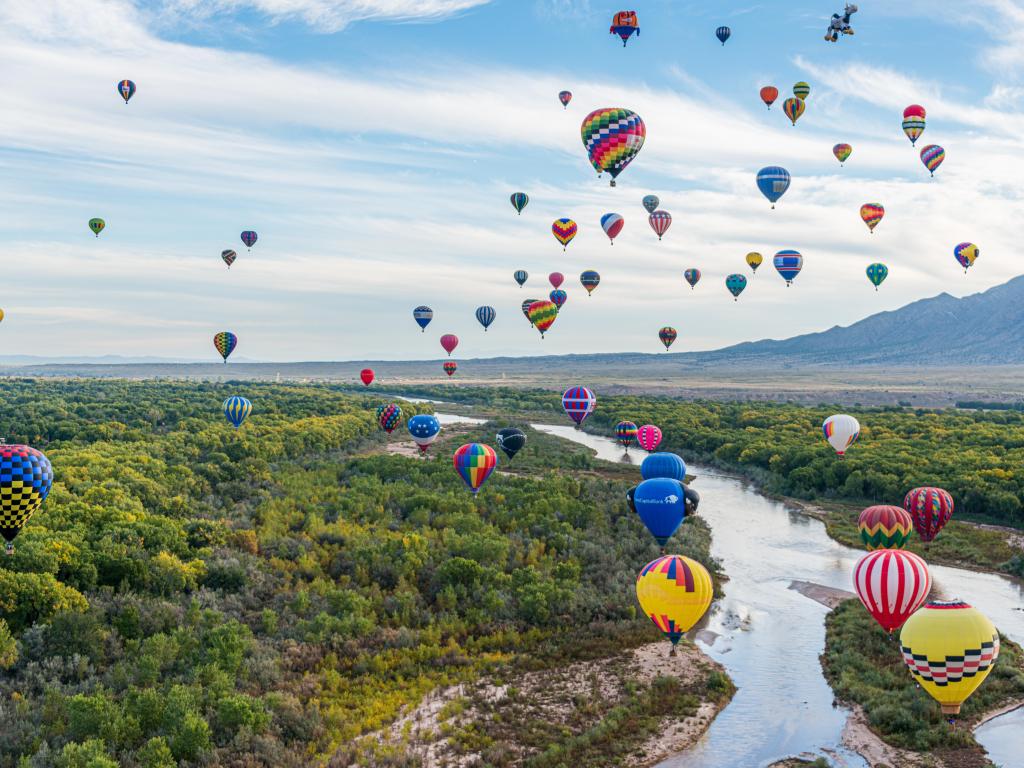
(25, 480)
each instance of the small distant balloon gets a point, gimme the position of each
(565, 97)
(788, 264)
(793, 108)
(625, 433)
(424, 429)
(366, 376)
(485, 316)
(225, 343)
(913, 122)
(612, 224)
(449, 342)
(526, 309)
(519, 201)
(558, 297)
(249, 238)
(769, 94)
(660, 221)
(841, 431)
(872, 214)
(674, 592)
(423, 315)
(801, 90)
(932, 157)
(388, 417)
(450, 367)
(127, 89)
(542, 314)
(723, 34)
(966, 254)
(556, 279)
(564, 231)
(648, 437)
(475, 462)
(842, 152)
(735, 283)
(511, 440)
(773, 181)
(651, 203)
(578, 403)
(590, 280)
(692, 276)
(877, 273)
(97, 226)
(667, 335)
(612, 137)
(624, 24)
(229, 257)
(237, 410)
(520, 276)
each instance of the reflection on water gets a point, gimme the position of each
(769, 637)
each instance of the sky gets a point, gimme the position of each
(373, 145)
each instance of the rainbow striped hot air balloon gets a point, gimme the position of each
(519, 201)
(237, 410)
(612, 224)
(877, 273)
(475, 462)
(692, 276)
(542, 314)
(564, 231)
(225, 343)
(871, 214)
(788, 263)
(590, 280)
(579, 403)
(674, 591)
(660, 221)
(667, 336)
(913, 122)
(842, 152)
(625, 433)
(450, 367)
(884, 526)
(932, 157)
(965, 254)
(612, 136)
(793, 108)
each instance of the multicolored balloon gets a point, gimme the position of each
(97, 226)
(625, 433)
(526, 309)
(578, 403)
(565, 97)
(930, 508)
(871, 214)
(624, 24)
(966, 253)
(661, 505)
(558, 297)
(793, 108)
(842, 152)
(485, 316)
(519, 201)
(660, 221)
(950, 648)
(424, 429)
(511, 440)
(841, 431)
(542, 314)
(450, 367)
(225, 343)
(388, 417)
(590, 280)
(24, 484)
(651, 203)
(884, 526)
(913, 122)
(520, 276)
(127, 89)
(735, 283)
(754, 260)
(773, 182)
(229, 257)
(675, 592)
(788, 264)
(249, 238)
(692, 276)
(801, 90)
(564, 231)
(892, 584)
(877, 273)
(612, 224)
(449, 342)
(556, 279)
(648, 437)
(667, 335)
(932, 157)
(769, 94)
(475, 462)
(423, 315)
(612, 136)
(723, 34)
(237, 410)
(366, 376)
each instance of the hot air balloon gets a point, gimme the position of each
(366, 376)
(769, 94)
(449, 342)
(773, 182)
(842, 152)
(661, 505)
(526, 309)
(892, 584)
(675, 592)
(97, 226)
(930, 509)
(735, 283)
(423, 315)
(475, 462)
(237, 410)
(932, 157)
(651, 203)
(872, 213)
(884, 526)
(225, 343)
(450, 366)
(692, 276)
(841, 431)
(667, 465)
(25, 481)
(612, 224)
(565, 97)
(801, 90)
(519, 201)
(511, 440)
(667, 336)
(754, 260)
(612, 136)
(542, 314)
(388, 417)
(558, 298)
(793, 108)
(564, 231)
(624, 24)
(249, 238)
(485, 316)
(692, 500)
(913, 122)
(424, 429)
(723, 34)
(788, 263)
(127, 89)
(578, 403)
(556, 279)
(625, 433)
(648, 437)
(877, 273)
(229, 257)
(950, 648)
(590, 280)
(660, 221)
(520, 276)
(966, 253)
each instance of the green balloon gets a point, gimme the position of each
(97, 225)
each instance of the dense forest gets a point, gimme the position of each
(193, 595)
(975, 455)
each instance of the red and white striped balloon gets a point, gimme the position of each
(892, 584)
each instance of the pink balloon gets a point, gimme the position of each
(556, 278)
(449, 341)
(649, 437)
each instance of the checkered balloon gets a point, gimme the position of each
(25, 479)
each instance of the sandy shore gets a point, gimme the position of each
(830, 597)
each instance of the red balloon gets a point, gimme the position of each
(930, 509)
(649, 437)
(450, 367)
(769, 94)
(449, 341)
(367, 376)
(892, 584)
(556, 279)
(914, 110)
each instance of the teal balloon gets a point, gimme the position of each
(877, 274)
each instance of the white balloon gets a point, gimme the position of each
(841, 431)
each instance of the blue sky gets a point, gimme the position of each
(373, 145)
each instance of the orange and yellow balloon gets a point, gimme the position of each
(674, 591)
(872, 213)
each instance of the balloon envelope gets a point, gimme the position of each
(871, 214)
(578, 403)
(648, 437)
(667, 335)
(723, 34)
(475, 462)
(842, 152)
(692, 276)
(773, 181)
(542, 314)
(590, 280)
(565, 97)
(127, 89)
(930, 509)
(841, 431)
(665, 465)
(388, 417)
(801, 90)
(423, 315)
(511, 440)
(556, 279)
(625, 433)
(450, 366)
(651, 203)
(612, 137)
(229, 257)
(424, 429)
(891, 584)
(769, 94)
(366, 376)
(793, 108)
(24, 484)
(237, 410)
(225, 343)
(449, 342)
(877, 273)
(661, 505)
(520, 276)
(674, 591)
(612, 224)
(485, 316)
(558, 298)
(519, 201)
(932, 157)
(788, 264)
(564, 231)
(660, 221)
(249, 238)
(97, 226)
(965, 254)
(735, 283)
(884, 526)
